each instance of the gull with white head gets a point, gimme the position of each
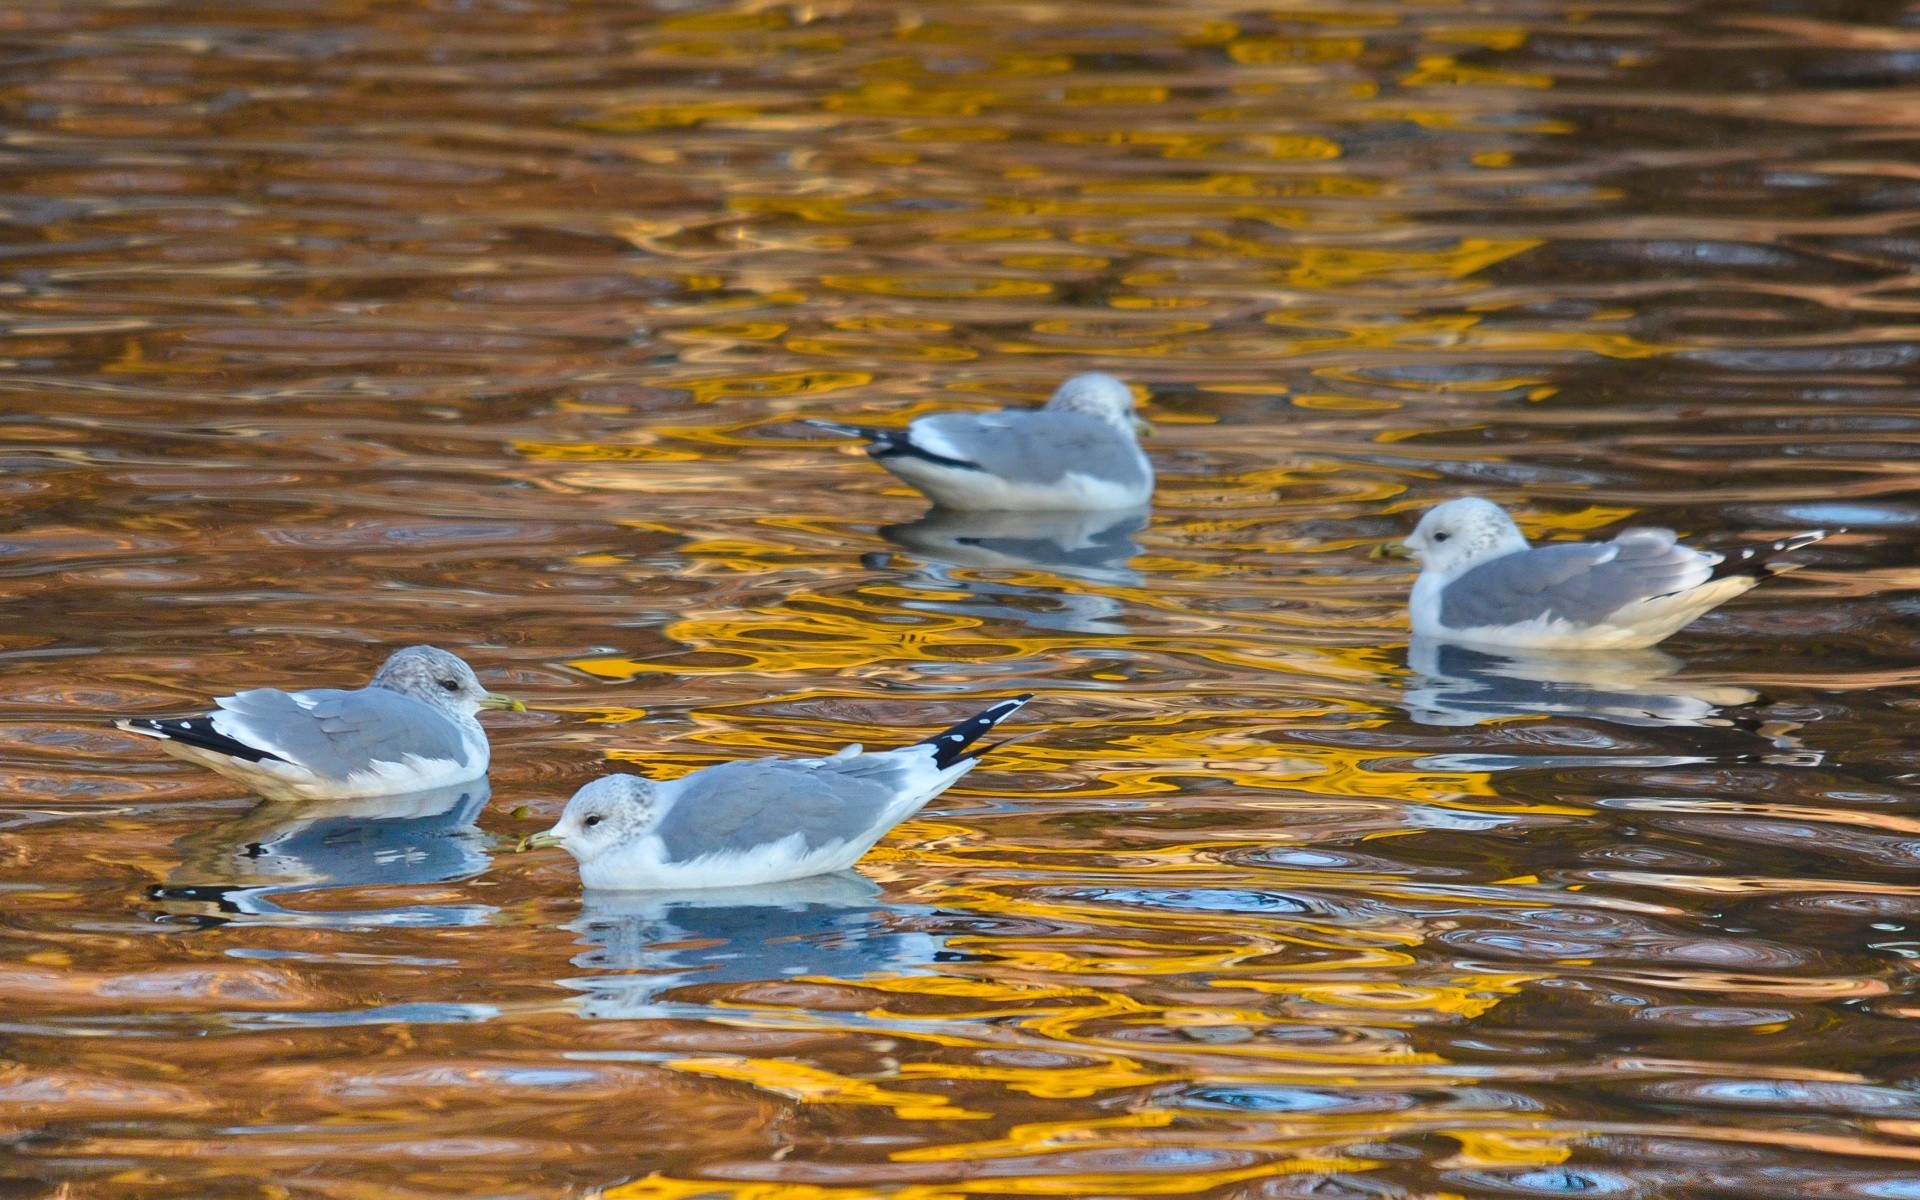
(410, 729)
(758, 820)
(1080, 453)
(1482, 585)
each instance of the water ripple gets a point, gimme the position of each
(330, 330)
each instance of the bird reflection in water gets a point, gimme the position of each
(1093, 547)
(241, 870)
(1457, 685)
(827, 926)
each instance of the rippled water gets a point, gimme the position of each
(332, 327)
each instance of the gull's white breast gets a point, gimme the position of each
(643, 866)
(966, 487)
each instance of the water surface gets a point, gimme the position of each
(333, 327)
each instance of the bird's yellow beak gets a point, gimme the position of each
(1143, 427)
(496, 700)
(538, 841)
(1391, 550)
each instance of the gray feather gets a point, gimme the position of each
(343, 732)
(1580, 582)
(1035, 446)
(738, 806)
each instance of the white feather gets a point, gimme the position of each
(1635, 626)
(277, 779)
(642, 864)
(965, 488)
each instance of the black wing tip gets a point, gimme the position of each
(900, 447)
(200, 733)
(1764, 562)
(891, 443)
(950, 744)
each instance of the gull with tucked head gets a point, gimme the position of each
(1482, 585)
(410, 729)
(1081, 453)
(759, 820)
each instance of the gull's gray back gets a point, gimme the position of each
(737, 806)
(1039, 447)
(1580, 582)
(346, 732)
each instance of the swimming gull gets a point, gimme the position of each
(1481, 584)
(1081, 452)
(412, 728)
(758, 820)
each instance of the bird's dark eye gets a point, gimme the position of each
(452, 685)
(590, 822)
(1441, 537)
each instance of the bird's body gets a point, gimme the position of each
(769, 820)
(1079, 453)
(1482, 585)
(760, 820)
(411, 729)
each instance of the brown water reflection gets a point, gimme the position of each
(331, 327)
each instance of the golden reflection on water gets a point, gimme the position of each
(333, 327)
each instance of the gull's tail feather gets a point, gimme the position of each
(950, 745)
(891, 443)
(1762, 562)
(198, 732)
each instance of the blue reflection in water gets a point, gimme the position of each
(421, 1013)
(1550, 1181)
(1849, 515)
(1094, 547)
(1196, 899)
(830, 926)
(1456, 685)
(1271, 1099)
(240, 870)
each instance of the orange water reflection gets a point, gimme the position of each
(331, 327)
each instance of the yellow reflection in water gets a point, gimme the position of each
(1219, 864)
(813, 1085)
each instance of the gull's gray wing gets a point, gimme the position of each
(334, 733)
(1579, 582)
(1032, 446)
(737, 806)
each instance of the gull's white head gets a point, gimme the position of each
(602, 816)
(1459, 535)
(430, 674)
(1099, 396)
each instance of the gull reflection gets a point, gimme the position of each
(828, 926)
(245, 867)
(1461, 686)
(1091, 546)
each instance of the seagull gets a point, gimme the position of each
(1080, 453)
(758, 820)
(411, 729)
(1481, 585)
